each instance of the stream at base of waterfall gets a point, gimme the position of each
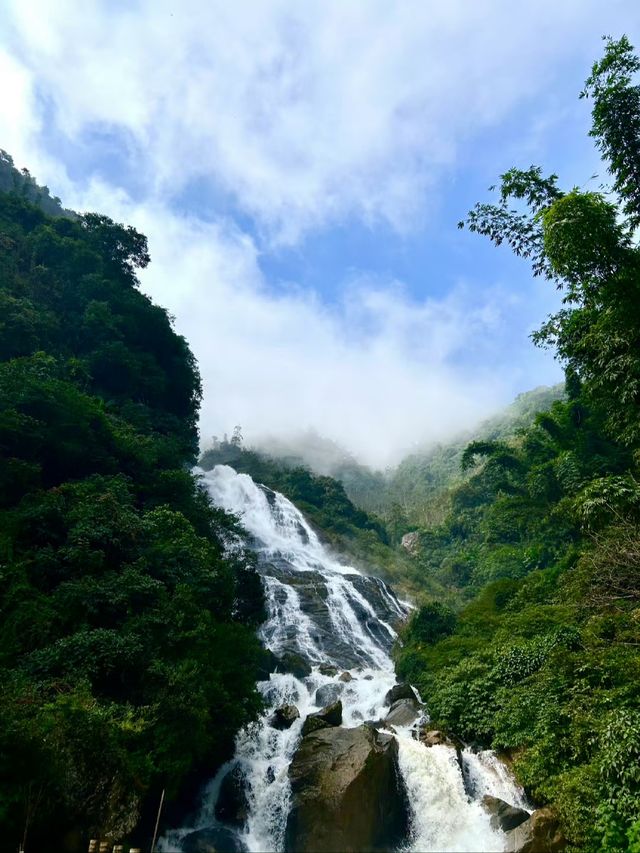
(338, 626)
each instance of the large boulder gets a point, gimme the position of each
(284, 717)
(399, 691)
(212, 839)
(328, 693)
(326, 717)
(347, 793)
(503, 815)
(232, 806)
(295, 664)
(403, 713)
(434, 737)
(539, 834)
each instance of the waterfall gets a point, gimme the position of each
(338, 621)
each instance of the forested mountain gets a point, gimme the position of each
(544, 663)
(406, 494)
(127, 646)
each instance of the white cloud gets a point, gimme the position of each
(304, 115)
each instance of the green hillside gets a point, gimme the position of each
(126, 660)
(544, 664)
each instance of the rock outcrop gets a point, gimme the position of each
(399, 691)
(347, 793)
(328, 693)
(503, 815)
(403, 713)
(539, 834)
(284, 717)
(232, 806)
(411, 542)
(295, 664)
(326, 717)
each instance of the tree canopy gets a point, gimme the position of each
(127, 648)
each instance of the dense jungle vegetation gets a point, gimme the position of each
(544, 663)
(127, 635)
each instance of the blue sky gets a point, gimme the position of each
(299, 169)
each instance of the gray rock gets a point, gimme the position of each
(232, 806)
(399, 691)
(503, 815)
(539, 834)
(284, 717)
(327, 694)
(329, 716)
(313, 724)
(295, 664)
(346, 677)
(327, 669)
(347, 793)
(403, 713)
(411, 542)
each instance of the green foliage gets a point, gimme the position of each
(431, 622)
(127, 649)
(543, 663)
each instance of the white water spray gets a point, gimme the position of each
(336, 620)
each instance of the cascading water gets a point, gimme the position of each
(334, 620)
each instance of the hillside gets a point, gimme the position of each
(544, 533)
(128, 656)
(409, 493)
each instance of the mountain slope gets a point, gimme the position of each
(127, 650)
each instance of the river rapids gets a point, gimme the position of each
(338, 620)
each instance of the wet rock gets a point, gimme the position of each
(267, 663)
(399, 691)
(434, 737)
(327, 669)
(212, 839)
(347, 792)
(327, 694)
(232, 806)
(539, 834)
(284, 717)
(313, 724)
(403, 713)
(326, 717)
(503, 815)
(271, 775)
(346, 677)
(295, 664)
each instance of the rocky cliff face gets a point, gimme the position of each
(347, 792)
